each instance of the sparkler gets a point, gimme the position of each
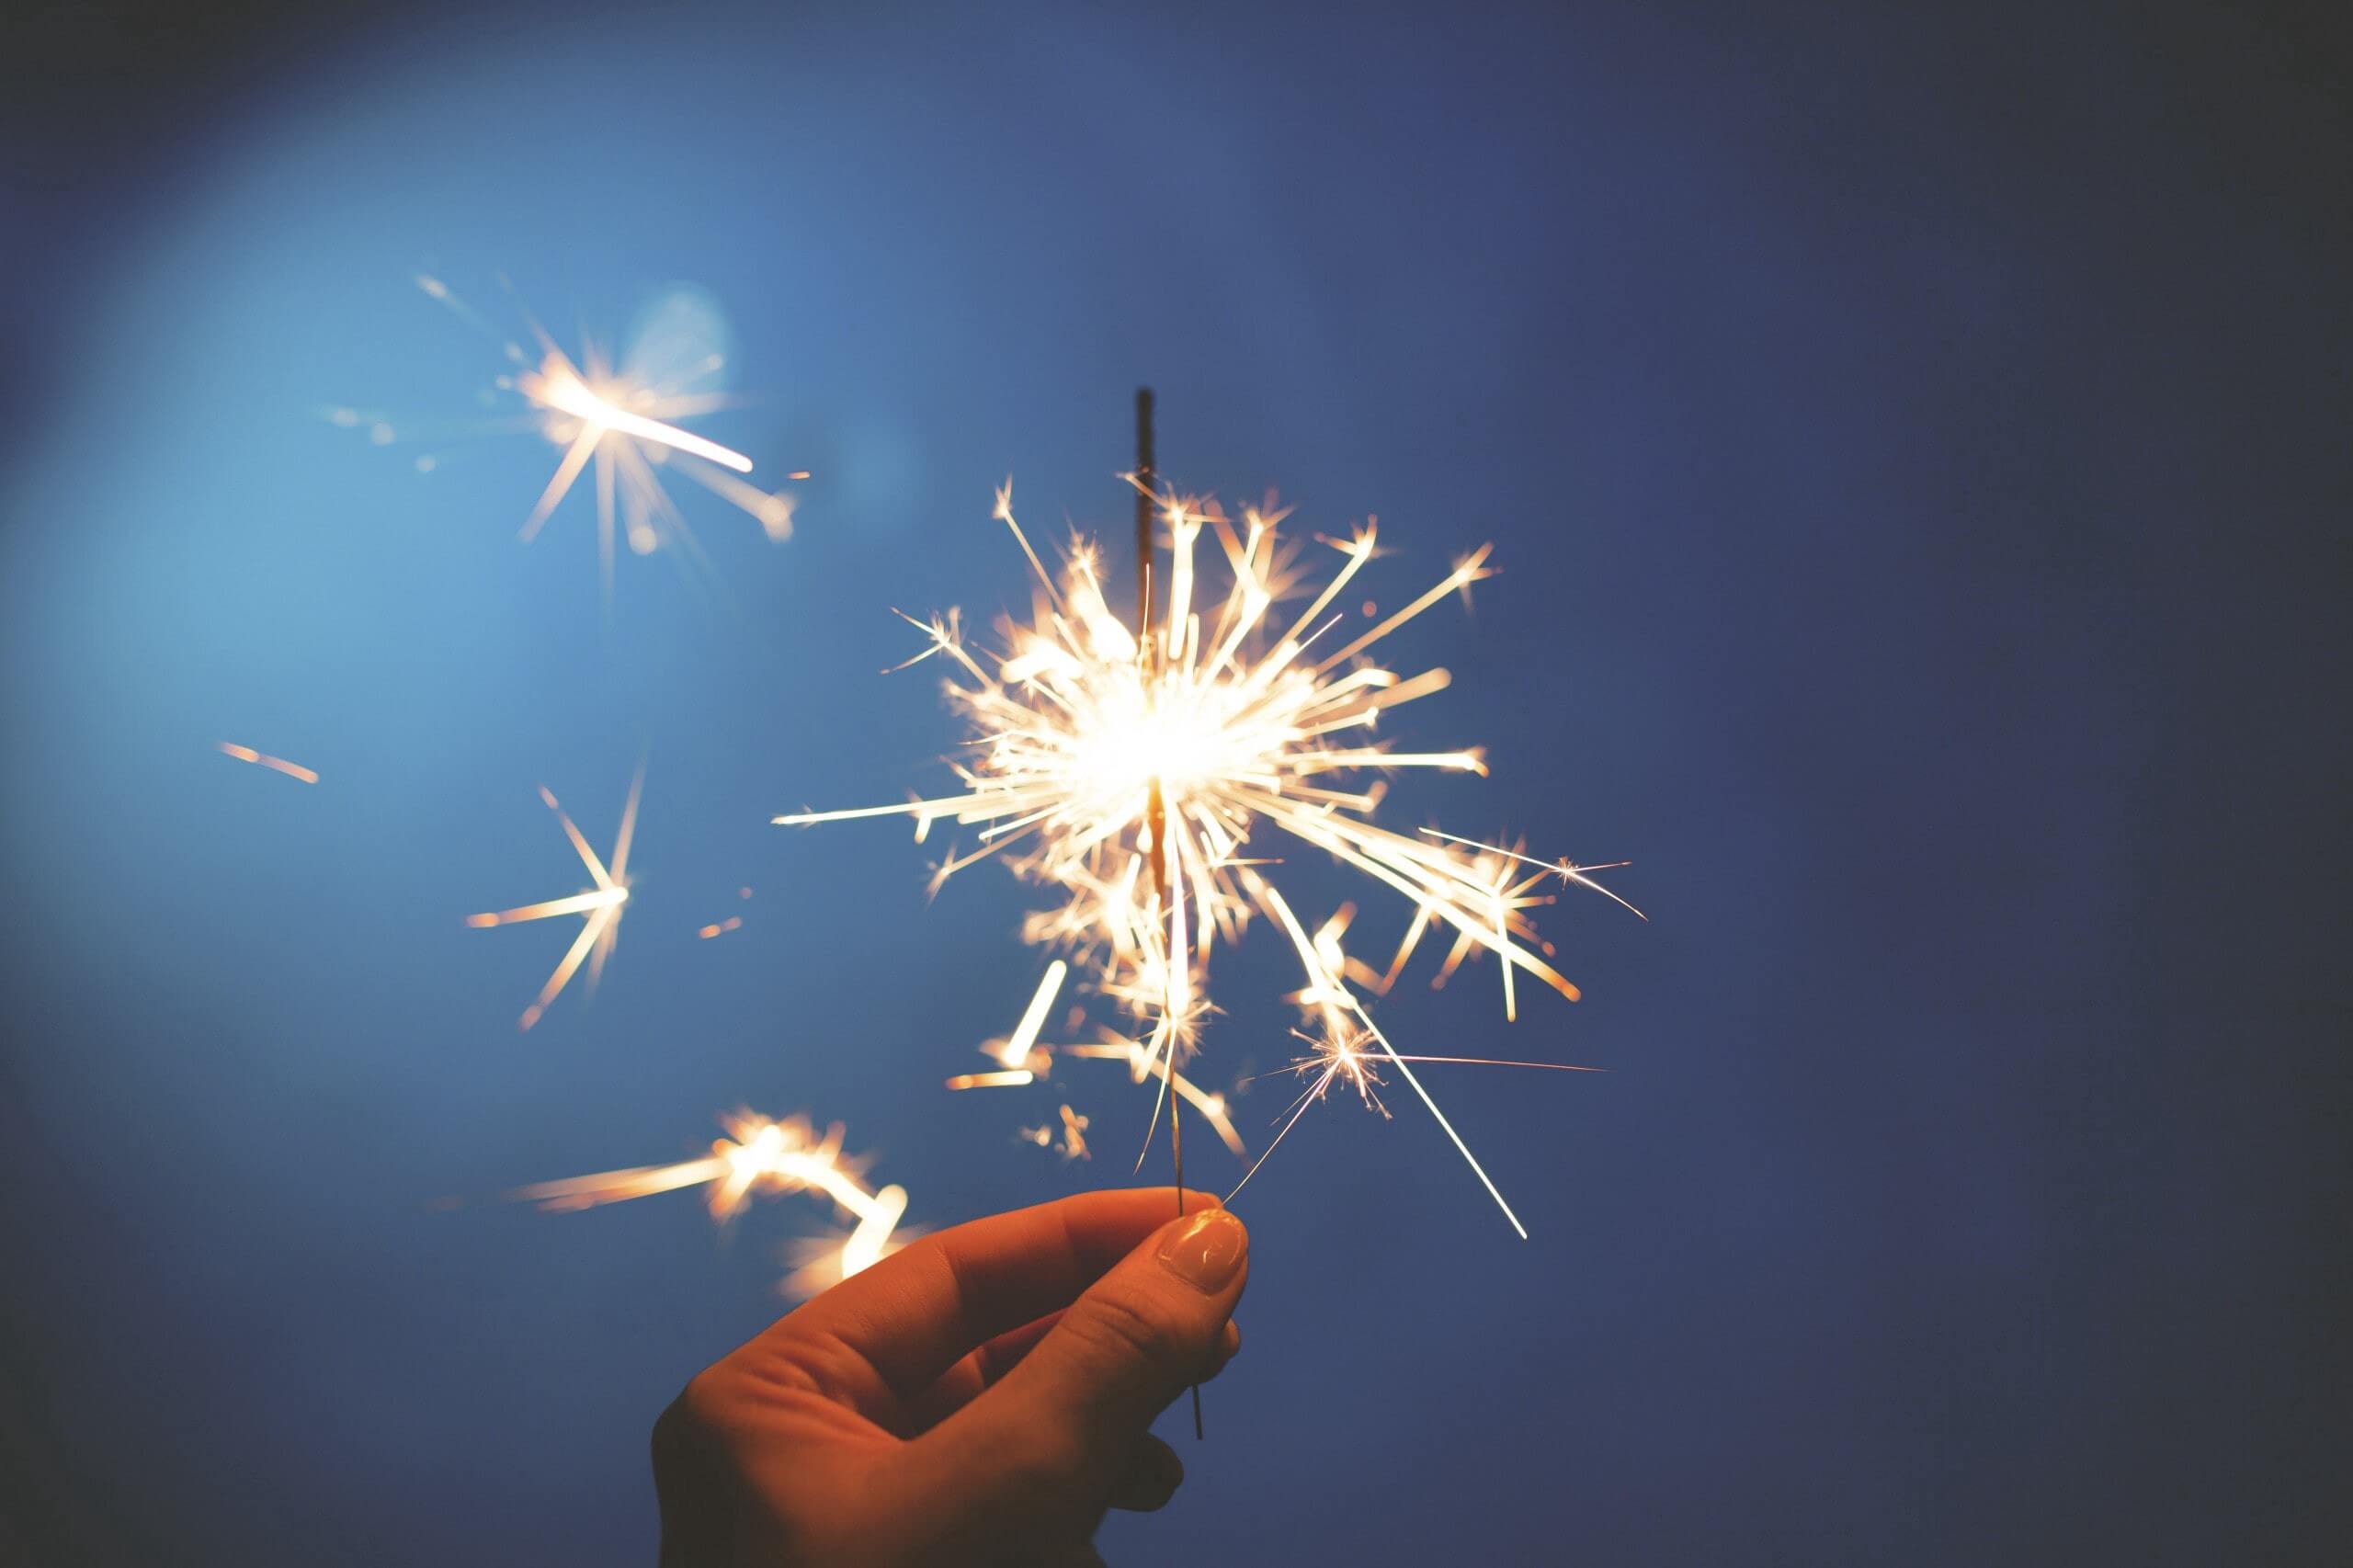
(1130, 771)
(276, 764)
(762, 1158)
(599, 907)
(623, 419)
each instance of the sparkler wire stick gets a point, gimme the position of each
(1155, 807)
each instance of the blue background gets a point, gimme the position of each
(1908, 444)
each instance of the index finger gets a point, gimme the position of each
(918, 1312)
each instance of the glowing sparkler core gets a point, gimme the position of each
(1090, 741)
(760, 1158)
(600, 906)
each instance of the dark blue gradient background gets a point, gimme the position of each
(1909, 445)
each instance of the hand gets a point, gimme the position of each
(981, 1396)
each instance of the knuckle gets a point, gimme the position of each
(1131, 1325)
(696, 1411)
(683, 1430)
(826, 1365)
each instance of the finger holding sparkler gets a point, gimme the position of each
(984, 1394)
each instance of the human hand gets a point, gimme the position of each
(981, 1396)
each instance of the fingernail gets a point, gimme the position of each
(1206, 1251)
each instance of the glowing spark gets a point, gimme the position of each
(1073, 1136)
(600, 907)
(1213, 723)
(1016, 1051)
(622, 423)
(1012, 1079)
(557, 386)
(733, 923)
(1140, 1060)
(1567, 870)
(1028, 1063)
(276, 764)
(764, 1159)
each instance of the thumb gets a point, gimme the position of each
(1067, 1419)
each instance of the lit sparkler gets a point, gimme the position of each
(1100, 756)
(599, 907)
(621, 422)
(762, 1158)
(274, 764)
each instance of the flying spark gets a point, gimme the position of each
(1095, 751)
(1073, 1143)
(276, 764)
(761, 1158)
(599, 907)
(621, 422)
